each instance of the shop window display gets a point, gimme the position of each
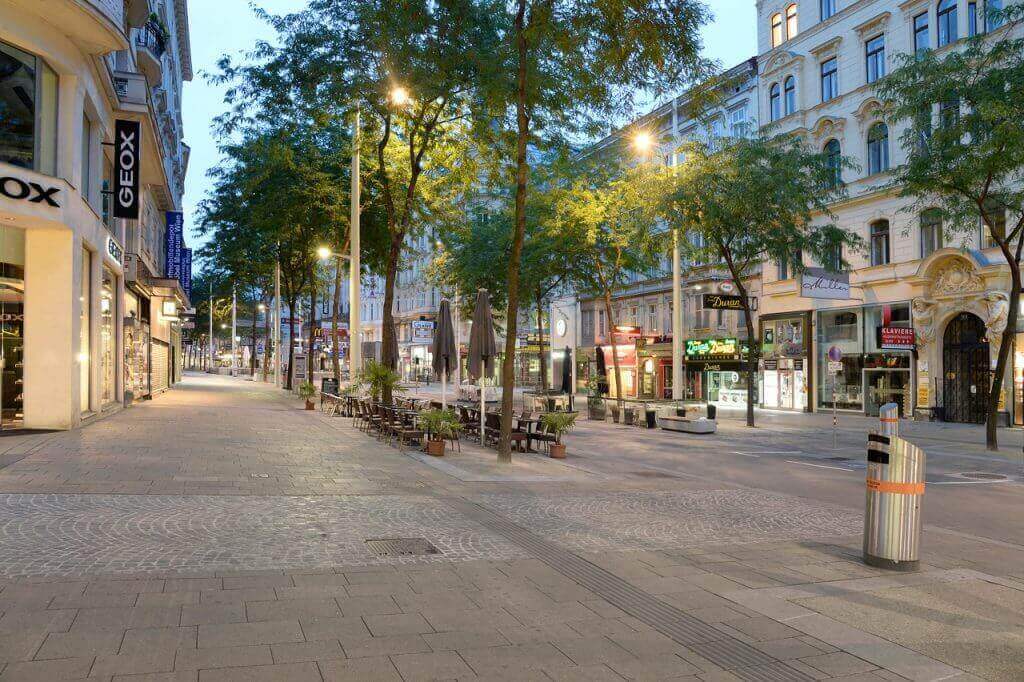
(108, 345)
(12, 317)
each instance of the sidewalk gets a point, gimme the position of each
(226, 534)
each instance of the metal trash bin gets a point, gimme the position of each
(712, 411)
(895, 487)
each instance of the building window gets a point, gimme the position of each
(829, 79)
(972, 19)
(28, 111)
(833, 157)
(828, 8)
(834, 259)
(998, 217)
(921, 37)
(878, 148)
(786, 267)
(791, 29)
(738, 122)
(85, 332)
(945, 17)
(874, 52)
(86, 157)
(993, 18)
(880, 242)
(108, 342)
(774, 102)
(652, 317)
(600, 323)
(949, 113)
(789, 90)
(776, 30)
(931, 232)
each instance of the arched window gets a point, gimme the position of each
(880, 242)
(776, 30)
(791, 22)
(833, 158)
(774, 102)
(878, 148)
(946, 17)
(789, 89)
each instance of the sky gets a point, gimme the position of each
(219, 27)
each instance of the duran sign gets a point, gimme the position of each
(127, 157)
(722, 302)
(712, 348)
(820, 283)
(895, 338)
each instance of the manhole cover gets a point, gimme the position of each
(983, 476)
(402, 547)
(653, 474)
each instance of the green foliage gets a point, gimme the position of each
(380, 379)
(559, 423)
(440, 424)
(307, 390)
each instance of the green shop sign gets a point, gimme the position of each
(698, 349)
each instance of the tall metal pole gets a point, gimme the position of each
(234, 322)
(677, 293)
(211, 365)
(355, 347)
(277, 323)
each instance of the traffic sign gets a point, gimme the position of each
(835, 354)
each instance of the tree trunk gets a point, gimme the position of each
(266, 342)
(753, 355)
(311, 336)
(335, 312)
(992, 422)
(540, 343)
(508, 378)
(616, 367)
(252, 348)
(292, 305)
(387, 330)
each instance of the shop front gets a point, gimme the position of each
(1018, 379)
(655, 372)
(715, 371)
(137, 334)
(875, 345)
(12, 318)
(785, 368)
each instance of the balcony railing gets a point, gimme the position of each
(151, 37)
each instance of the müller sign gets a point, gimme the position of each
(127, 156)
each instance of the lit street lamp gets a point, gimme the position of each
(644, 143)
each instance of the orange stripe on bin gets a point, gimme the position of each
(895, 487)
(889, 420)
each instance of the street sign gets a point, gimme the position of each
(835, 354)
(835, 367)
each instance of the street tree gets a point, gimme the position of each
(964, 141)
(608, 223)
(563, 67)
(746, 201)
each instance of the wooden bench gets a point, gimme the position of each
(687, 425)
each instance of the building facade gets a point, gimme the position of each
(76, 340)
(920, 323)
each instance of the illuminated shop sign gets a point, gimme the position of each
(728, 348)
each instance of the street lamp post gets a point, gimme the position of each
(234, 327)
(212, 364)
(325, 253)
(644, 143)
(277, 322)
(355, 348)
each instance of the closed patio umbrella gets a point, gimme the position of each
(444, 350)
(482, 349)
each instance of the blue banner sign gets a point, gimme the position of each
(186, 271)
(175, 230)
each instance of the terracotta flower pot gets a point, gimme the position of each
(557, 451)
(310, 405)
(435, 448)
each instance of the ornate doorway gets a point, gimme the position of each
(965, 367)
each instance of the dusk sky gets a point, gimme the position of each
(230, 27)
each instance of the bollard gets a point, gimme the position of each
(895, 487)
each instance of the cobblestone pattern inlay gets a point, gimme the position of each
(610, 521)
(73, 535)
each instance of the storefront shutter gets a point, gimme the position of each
(159, 366)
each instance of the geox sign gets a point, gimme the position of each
(127, 155)
(16, 188)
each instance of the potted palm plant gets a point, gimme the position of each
(558, 424)
(307, 391)
(377, 376)
(439, 425)
(595, 403)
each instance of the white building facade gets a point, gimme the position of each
(818, 60)
(71, 335)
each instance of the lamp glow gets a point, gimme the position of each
(399, 96)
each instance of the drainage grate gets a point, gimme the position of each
(402, 547)
(983, 476)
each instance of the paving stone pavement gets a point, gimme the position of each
(218, 532)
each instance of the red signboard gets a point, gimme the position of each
(895, 338)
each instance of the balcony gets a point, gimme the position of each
(96, 26)
(137, 12)
(131, 88)
(149, 49)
